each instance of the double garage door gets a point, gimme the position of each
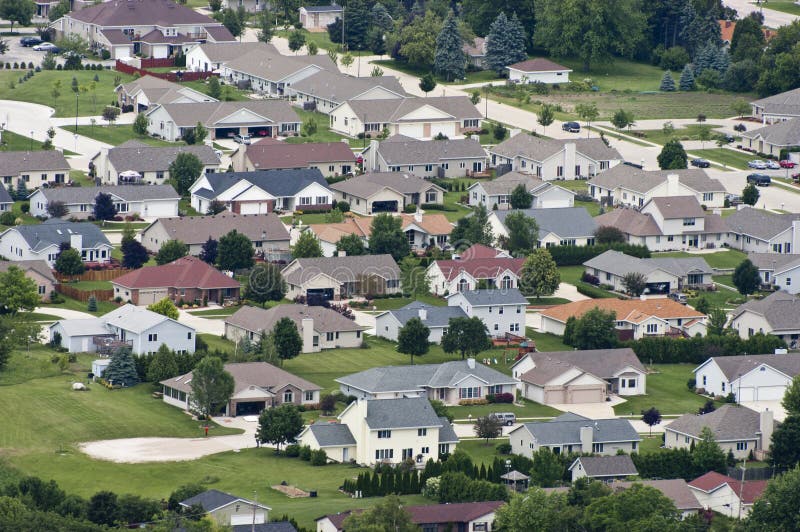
(761, 393)
(573, 396)
(148, 297)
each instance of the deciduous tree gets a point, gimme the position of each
(785, 449)
(264, 24)
(352, 245)
(140, 125)
(412, 338)
(672, 156)
(279, 425)
(184, 170)
(523, 233)
(791, 399)
(547, 470)
(212, 386)
(608, 234)
(520, 197)
(171, 250)
(634, 283)
(388, 514)
(750, 194)
(134, 254)
(297, 39)
(651, 417)
(235, 251)
(265, 283)
(69, 262)
(473, 229)
(17, 291)
(545, 117)
(595, 330)
(307, 246)
(487, 427)
(165, 307)
(387, 237)
(466, 336)
(427, 83)
(287, 340)
(707, 455)
(164, 365)
(104, 207)
(19, 11)
(746, 278)
(208, 253)
(539, 276)
(779, 506)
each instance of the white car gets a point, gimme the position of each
(46, 47)
(772, 165)
(757, 164)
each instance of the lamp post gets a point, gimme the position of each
(76, 112)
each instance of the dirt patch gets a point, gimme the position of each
(291, 491)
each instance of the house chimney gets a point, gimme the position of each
(471, 363)
(423, 313)
(76, 241)
(672, 185)
(341, 253)
(766, 425)
(418, 215)
(371, 162)
(587, 438)
(307, 333)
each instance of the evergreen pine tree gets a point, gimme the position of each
(490, 474)
(498, 45)
(686, 82)
(22, 190)
(705, 58)
(667, 83)
(91, 305)
(417, 10)
(482, 474)
(375, 485)
(722, 61)
(516, 40)
(122, 368)
(449, 60)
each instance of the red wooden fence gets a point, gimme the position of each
(169, 76)
(156, 63)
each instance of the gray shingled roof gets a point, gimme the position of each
(603, 363)
(446, 433)
(435, 317)
(39, 266)
(5, 197)
(279, 183)
(642, 181)
(785, 103)
(337, 87)
(678, 207)
(228, 51)
(275, 526)
(332, 434)
(56, 231)
(343, 269)
(675, 489)
(459, 107)
(497, 296)
(429, 152)
(760, 224)
(209, 113)
(212, 499)
(366, 185)
(780, 309)
(198, 229)
(87, 195)
(144, 158)
(607, 466)
(629, 221)
(728, 423)
(159, 91)
(141, 13)
(275, 66)
(506, 183)
(406, 412)
(539, 148)
(556, 432)
(772, 261)
(246, 374)
(405, 378)
(783, 133)
(619, 264)
(257, 319)
(16, 162)
(566, 222)
(734, 366)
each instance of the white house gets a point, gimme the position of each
(502, 311)
(777, 314)
(631, 186)
(142, 330)
(757, 231)
(263, 192)
(136, 162)
(571, 433)
(227, 509)
(750, 378)
(476, 264)
(377, 192)
(554, 159)
(213, 56)
(603, 468)
(727, 495)
(267, 72)
(42, 241)
(341, 277)
(538, 70)
(146, 201)
(436, 319)
(326, 89)
(774, 138)
(565, 226)
(778, 270)
(319, 17)
(778, 107)
(146, 91)
(662, 275)
(497, 192)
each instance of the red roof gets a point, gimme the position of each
(539, 64)
(712, 481)
(186, 272)
(276, 155)
(463, 512)
(479, 268)
(479, 251)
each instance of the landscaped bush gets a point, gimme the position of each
(576, 255)
(7, 218)
(305, 453)
(593, 292)
(500, 397)
(662, 350)
(319, 457)
(467, 402)
(589, 278)
(410, 208)
(437, 207)
(292, 450)
(504, 448)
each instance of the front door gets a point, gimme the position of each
(345, 455)
(477, 167)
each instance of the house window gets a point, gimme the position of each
(577, 169)
(422, 432)
(559, 171)
(704, 380)
(429, 168)
(384, 434)
(597, 447)
(500, 310)
(652, 328)
(519, 309)
(788, 281)
(444, 448)
(305, 201)
(188, 335)
(42, 289)
(430, 196)
(288, 396)
(315, 340)
(723, 386)
(329, 337)
(514, 327)
(472, 122)
(741, 445)
(688, 222)
(469, 393)
(152, 337)
(322, 200)
(309, 396)
(425, 450)
(497, 388)
(631, 383)
(384, 454)
(708, 196)
(394, 168)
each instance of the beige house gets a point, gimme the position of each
(335, 278)
(777, 314)
(603, 468)
(633, 187)
(143, 92)
(319, 17)
(377, 192)
(497, 192)
(38, 271)
(571, 433)
(227, 509)
(35, 168)
(319, 327)
(330, 158)
(135, 162)
(662, 275)
(323, 91)
(441, 158)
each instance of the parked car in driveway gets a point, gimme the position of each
(700, 163)
(241, 139)
(733, 199)
(772, 165)
(46, 47)
(29, 41)
(572, 127)
(786, 163)
(760, 180)
(757, 164)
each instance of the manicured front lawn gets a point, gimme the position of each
(723, 259)
(528, 410)
(688, 132)
(80, 178)
(786, 6)
(480, 451)
(88, 286)
(13, 142)
(729, 158)
(546, 341)
(217, 311)
(117, 134)
(666, 390)
(392, 303)
(103, 307)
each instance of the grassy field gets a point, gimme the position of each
(725, 259)
(689, 132)
(118, 134)
(666, 390)
(39, 89)
(103, 307)
(786, 6)
(729, 158)
(546, 341)
(480, 76)
(14, 142)
(480, 451)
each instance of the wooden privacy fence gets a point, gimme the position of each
(186, 75)
(84, 295)
(93, 275)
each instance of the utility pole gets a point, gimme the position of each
(255, 502)
(741, 486)
(76, 112)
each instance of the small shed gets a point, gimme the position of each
(99, 366)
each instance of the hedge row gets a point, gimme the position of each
(663, 350)
(593, 292)
(576, 255)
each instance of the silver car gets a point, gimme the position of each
(757, 164)
(773, 165)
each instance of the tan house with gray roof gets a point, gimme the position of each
(118, 166)
(213, 56)
(497, 192)
(38, 271)
(756, 231)
(327, 89)
(777, 314)
(335, 278)
(35, 168)
(319, 327)
(377, 192)
(146, 91)
(147, 201)
(773, 138)
(633, 187)
(777, 107)
(440, 158)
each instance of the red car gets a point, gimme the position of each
(786, 163)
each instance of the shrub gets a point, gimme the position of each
(292, 450)
(305, 453)
(437, 207)
(410, 208)
(25, 207)
(7, 218)
(319, 457)
(504, 448)
(691, 384)
(342, 206)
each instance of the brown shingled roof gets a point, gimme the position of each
(186, 272)
(539, 64)
(272, 155)
(635, 310)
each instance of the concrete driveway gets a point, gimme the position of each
(772, 18)
(759, 406)
(202, 325)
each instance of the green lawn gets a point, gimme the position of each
(535, 301)
(323, 134)
(666, 390)
(103, 307)
(725, 259)
(630, 139)
(546, 341)
(323, 42)
(480, 76)
(80, 178)
(26, 218)
(592, 207)
(528, 410)
(117, 134)
(88, 286)
(14, 142)
(727, 157)
(787, 6)
(397, 302)
(39, 89)
(229, 92)
(689, 132)
(221, 311)
(480, 451)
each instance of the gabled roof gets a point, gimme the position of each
(210, 113)
(274, 526)
(433, 224)
(406, 412)
(728, 423)
(487, 297)
(259, 319)
(16, 162)
(333, 232)
(479, 268)
(760, 224)
(272, 155)
(629, 221)
(785, 103)
(336, 87)
(160, 91)
(246, 374)
(140, 13)
(220, 34)
(475, 48)
(393, 111)
(411, 151)
(139, 157)
(604, 363)
(783, 133)
(774, 261)
(198, 229)
(642, 181)
(780, 309)
(479, 251)
(619, 263)
(371, 183)
(332, 434)
(39, 266)
(712, 481)
(185, 272)
(559, 432)
(214, 499)
(275, 66)
(137, 319)
(540, 148)
(435, 317)
(633, 310)
(566, 222)
(445, 514)
(279, 183)
(55, 231)
(738, 365)
(678, 207)
(507, 182)
(343, 269)
(675, 489)
(538, 64)
(607, 466)
(221, 52)
(132, 193)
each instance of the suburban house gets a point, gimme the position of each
(440, 158)
(778, 270)
(468, 271)
(213, 56)
(590, 376)
(263, 192)
(35, 168)
(155, 28)
(139, 329)
(475, 51)
(459, 516)
(559, 226)
(383, 432)
(631, 186)
(418, 118)
(318, 17)
(330, 158)
(227, 509)
(675, 489)
(502, 311)
(377, 192)
(319, 327)
(636, 318)
(603, 468)
(663, 275)
(426, 230)
(324, 90)
(42, 241)
(750, 378)
(270, 73)
(146, 201)
(777, 107)
(329, 235)
(538, 70)
(36, 270)
(258, 118)
(754, 230)
(187, 279)
(570, 433)
(448, 382)
(773, 138)
(727, 495)
(777, 314)
(554, 159)
(335, 278)
(736, 428)
(497, 192)
(436, 319)
(266, 231)
(6, 201)
(256, 386)
(146, 91)
(668, 224)
(136, 162)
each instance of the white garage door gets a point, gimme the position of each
(148, 297)
(555, 204)
(746, 395)
(248, 519)
(411, 130)
(447, 129)
(770, 393)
